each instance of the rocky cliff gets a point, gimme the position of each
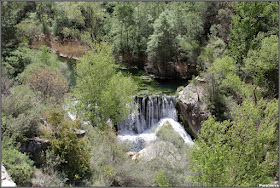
(193, 109)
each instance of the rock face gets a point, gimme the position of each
(171, 70)
(192, 106)
(35, 146)
(6, 181)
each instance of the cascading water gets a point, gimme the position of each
(153, 112)
(150, 110)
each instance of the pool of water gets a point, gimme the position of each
(148, 84)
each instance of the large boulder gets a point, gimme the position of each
(158, 150)
(193, 109)
(6, 181)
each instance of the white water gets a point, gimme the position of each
(150, 110)
(153, 112)
(139, 140)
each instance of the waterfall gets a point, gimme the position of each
(149, 112)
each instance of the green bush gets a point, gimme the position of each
(16, 61)
(166, 133)
(161, 180)
(65, 144)
(18, 165)
(22, 110)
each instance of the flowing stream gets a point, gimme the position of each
(153, 112)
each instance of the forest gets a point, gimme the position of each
(140, 93)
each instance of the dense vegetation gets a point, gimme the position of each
(231, 45)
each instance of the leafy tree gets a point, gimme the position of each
(241, 152)
(161, 46)
(251, 18)
(17, 60)
(93, 18)
(27, 29)
(262, 65)
(11, 14)
(161, 180)
(101, 94)
(48, 83)
(65, 144)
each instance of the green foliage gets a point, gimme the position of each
(161, 180)
(251, 18)
(262, 65)
(166, 133)
(242, 152)
(161, 46)
(42, 179)
(101, 93)
(28, 28)
(22, 111)
(64, 143)
(19, 166)
(17, 60)
(11, 14)
(110, 164)
(48, 83)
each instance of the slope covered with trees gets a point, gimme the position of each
(59, 57)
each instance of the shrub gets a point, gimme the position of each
(22, 111)
(72, 150)
(110, 164)
(18, 165)
(166, 133)
(161, 180)
(49, 83)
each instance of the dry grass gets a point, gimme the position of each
(71, 49)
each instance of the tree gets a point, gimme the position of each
(101, 94)
(65, 144)
(93, 17)
(161, 46)
(241, 152)
(251, 18)
(262, 65)
(49, 83)
(11, 14)
(17, 60)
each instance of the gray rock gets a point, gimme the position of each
(192, 106)
(158, 150)
(6, 181)
(80, 133)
